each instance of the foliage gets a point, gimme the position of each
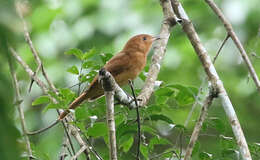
(89, 32)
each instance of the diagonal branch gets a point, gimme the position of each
(170, 20)
(32, 48)
(204, 80)
(213, 77)
(74, 130)
(236, 40)
(197, 128)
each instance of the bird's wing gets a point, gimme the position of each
(118, 64)
(116, 68)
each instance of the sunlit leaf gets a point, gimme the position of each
(99, 129)
(89, 54)
(126, 142)
(41, 100)
(165, 91)
(73, 70)
(52, 106)
(81, 113)
(161, 99)
(144, 150)
(67, 94)
(76, 52)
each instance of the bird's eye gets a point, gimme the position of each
(144, 38)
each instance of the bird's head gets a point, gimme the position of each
(140, 43)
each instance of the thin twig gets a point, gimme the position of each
(69, 138)
(236, 40)
(196, 130)
(43, 129)
(44, 88)
(137, 120)
(213, 77)
(79, 84)
(63, 153)
(82, 149)
(32, 48)
(159, 155)
(220, 48)
(20, 110)
(105, 79)
(91, 148)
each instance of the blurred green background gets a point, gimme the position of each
(106, 25)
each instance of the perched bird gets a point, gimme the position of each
(125, 65)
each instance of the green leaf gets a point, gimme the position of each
(164, 92)
(76, 52)
(52, 106)
(229, 153)
(149, 130)
(154, 109)
(106, 57)
(123, 129)
(218, 124)
(81, 113)
(144, 151)
(185, 95)
(205, 156)
(73, 70)
(89, 54)
(99, 129)
(120, 118)
(126, 142)
(161, 99)
(67, 95)
(41, 100)
(156, 117)
(227, 142)
(157, 140)
(196, 148)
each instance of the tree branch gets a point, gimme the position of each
(201, 86)
(236, 40)
(197, 128)
(105, 78)
(82, 149)
(170, 20)
(68, 119)
(20, 110)
(32, 48)
(213, 77)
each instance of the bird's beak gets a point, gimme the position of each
(155, 38)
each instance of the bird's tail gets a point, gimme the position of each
(74, 104)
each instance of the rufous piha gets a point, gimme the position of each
(125, 65)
